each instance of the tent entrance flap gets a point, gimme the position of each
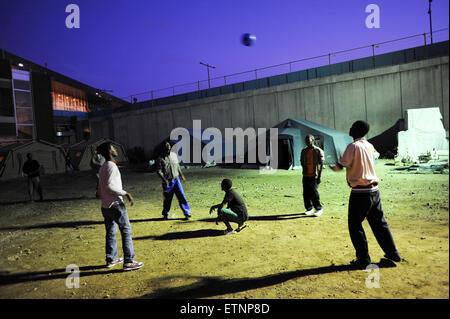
(285, 152)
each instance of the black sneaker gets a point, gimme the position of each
(133, 265)
(395, 258)
(358, 264)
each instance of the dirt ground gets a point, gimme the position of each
(283, 254)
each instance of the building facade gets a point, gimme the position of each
(37, 103)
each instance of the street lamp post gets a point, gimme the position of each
(207, 67)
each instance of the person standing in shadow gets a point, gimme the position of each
(32, 169)
(69, 166)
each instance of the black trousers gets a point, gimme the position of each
(364, 205)
(311, 196)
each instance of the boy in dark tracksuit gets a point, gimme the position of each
(365, 201)
(236, 210)
(311, 158)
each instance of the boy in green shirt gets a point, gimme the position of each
(236, 210)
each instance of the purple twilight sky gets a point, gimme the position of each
(141, 45)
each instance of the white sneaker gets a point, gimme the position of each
(319, 212)
(309, 212)
(133, 265)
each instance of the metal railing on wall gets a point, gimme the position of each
(355, 59)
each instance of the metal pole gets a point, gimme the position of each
(373, 55)
(431, 28)
(425, 45)
(208, 66)
(329, 63)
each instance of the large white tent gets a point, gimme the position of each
(425, 134)
(14, 155)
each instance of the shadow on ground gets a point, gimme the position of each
(75, 224)
(203, 288)
(45, 200)
(215, 286)
(7, 279)
(87, 223)
(185, 235)
(265, 217)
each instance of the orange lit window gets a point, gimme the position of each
(67, 98)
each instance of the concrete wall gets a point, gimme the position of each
(379, 96)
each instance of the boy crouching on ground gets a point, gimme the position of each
(235, 212)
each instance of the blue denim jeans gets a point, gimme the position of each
(175, 188)
(118, 215)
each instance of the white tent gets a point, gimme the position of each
(13, 156)
(425, 134)
(81, 153)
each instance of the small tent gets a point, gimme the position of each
(81, 153)
(14, 155)
(291, 141)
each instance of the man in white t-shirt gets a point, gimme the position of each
(114, 211)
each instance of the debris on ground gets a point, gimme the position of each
(433, 167)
